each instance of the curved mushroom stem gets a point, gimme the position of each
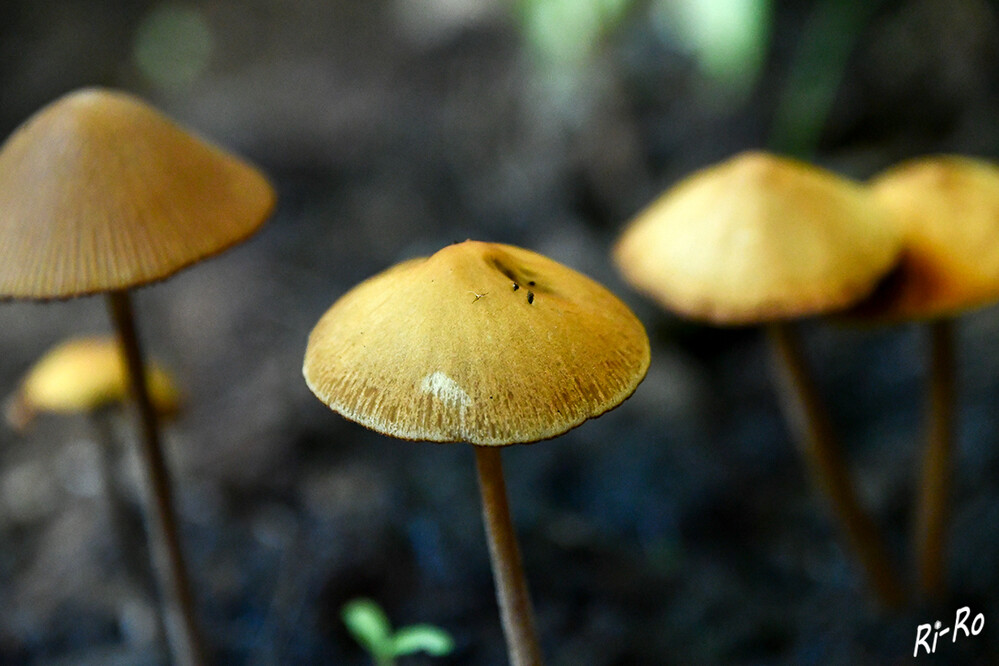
(810, 423)
(161, 521)
(508, 572)
(933, 505)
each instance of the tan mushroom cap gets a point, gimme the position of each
(481, 342)
(83, 375)
(947, 212)
(758, 238)
(99, 191)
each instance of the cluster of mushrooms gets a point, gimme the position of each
(100, 193)
(761, 239)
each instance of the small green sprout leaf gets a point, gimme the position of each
(430, 639)
(369, 625)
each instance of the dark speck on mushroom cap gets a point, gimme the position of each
(510, 365)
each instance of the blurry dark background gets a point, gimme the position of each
(679, 528)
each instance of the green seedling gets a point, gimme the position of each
(370, 627)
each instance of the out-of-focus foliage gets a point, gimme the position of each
(817, 67)
(725, 41)
(370, 626)
(567, 32)
(727, 38)
(173, 45)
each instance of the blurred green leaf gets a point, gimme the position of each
(428, 638)
(824, 46)
(173, 45)
(728, 38)
(568, 31)
(369, 625)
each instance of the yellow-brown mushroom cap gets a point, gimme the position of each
(946, 209)
(82, 375)
(99, 191)
(758, 238)
(485, 343)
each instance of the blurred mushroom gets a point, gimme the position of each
(764, 239)
(87, 375)
(84, 375)
(100, 193)
(946, 209)
(482, 343)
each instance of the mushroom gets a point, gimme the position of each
(946, 209)
(761, 239)
(87, 375)
(482, 343)
(100, 193)
(84, 375)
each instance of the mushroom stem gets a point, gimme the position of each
(508, 572)
(119, 519)
(933, 506)
(100, 419)
(161, 520)
(813, 431)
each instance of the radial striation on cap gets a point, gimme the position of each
(484, 343)
(758, 238)
(99, 191)
(946, 209)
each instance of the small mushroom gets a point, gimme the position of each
(100, 193)
(87, 375)
(407, 353)
(84, 375)
(764, 239)
(946, 209)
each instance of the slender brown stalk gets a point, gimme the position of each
(161, 520)
(933, 504)
(813, 431)
(100, 420)
(508, 572)
(135, 568)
